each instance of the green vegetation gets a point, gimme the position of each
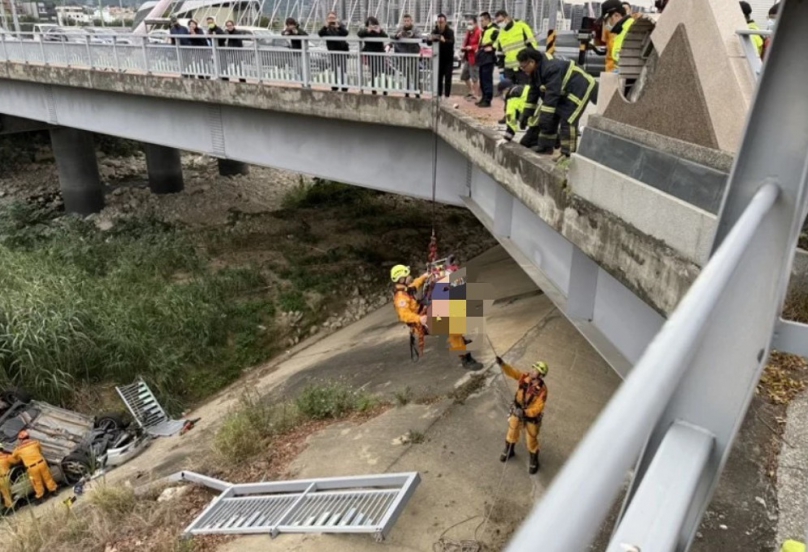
(332, 400)
(415, 437)
(403, 398)
(79, 304)
(252, 426)
(190, 308)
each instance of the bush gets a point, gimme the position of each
(79, 304)
(326, 194)
(248, 429)
(332, 400)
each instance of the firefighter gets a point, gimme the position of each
(757, 40)
(29, 452)
(6, 461)
(411, 313)
(513, 37)
(407, 306)
(565, 90)
(515, 97)
(527, 410)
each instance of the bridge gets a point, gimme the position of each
(616, 240)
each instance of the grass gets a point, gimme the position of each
(403, 398)
(415, 437)
(320, 401)
(84, 306)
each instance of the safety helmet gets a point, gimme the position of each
(541, 367)
(23, 434)
(398, 272)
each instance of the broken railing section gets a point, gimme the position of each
(362, 504)
(147, 411)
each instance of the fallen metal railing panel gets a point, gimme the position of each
(146, 410)
(364, 504)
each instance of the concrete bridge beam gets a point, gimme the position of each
(229, 167)
(165, 169)
(77, 166)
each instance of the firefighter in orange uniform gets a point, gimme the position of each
(6, 461)
(407, 306)
(29, 452)
(527, 410)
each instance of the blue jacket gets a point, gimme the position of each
(180, 30)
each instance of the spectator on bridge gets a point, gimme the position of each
(470, 74)
(770, 27)
(376, 59)
(513, 37)
(757, 40)
(177, 29)
(486, 59)
(234, 61)
(565, 90)
(214, 29)
(409, 65)
(293, 29)
(199, 59)
(444, 35)
(197, 34)
(338, 59)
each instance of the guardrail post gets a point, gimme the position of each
(360, 71)
(257, 63)
(89, 53)
(305, 63)
(435, 67)
(41, 49)
(145, 55)
(115, 53)
(217, 70)
(179, 57)
(3, 42)
(64, 52)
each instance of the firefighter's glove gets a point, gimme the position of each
(501, 61)
(500, 361)
(523, 120)
(519, 413)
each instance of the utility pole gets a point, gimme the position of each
(551, 25)
(14, 17)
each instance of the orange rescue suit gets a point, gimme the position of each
(6, 461)
(30, 453)
(407, 306)
(531, 396)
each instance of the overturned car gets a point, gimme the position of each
(74, 445)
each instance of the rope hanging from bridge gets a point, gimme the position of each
(433, 243)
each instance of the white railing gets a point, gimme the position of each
(311, 65)
(750, 49)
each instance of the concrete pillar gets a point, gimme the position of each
(228, 167)
(165, 169)
(77, 165)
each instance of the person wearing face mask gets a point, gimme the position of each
(770, 27)
(408, 63)
(470, 74)
(514, 36)
(214, 29)
(617, 23)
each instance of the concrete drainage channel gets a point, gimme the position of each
(366, 505)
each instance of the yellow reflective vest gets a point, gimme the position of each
(617, 44)
(757, 40)
(513, 39)
(792, 546)
(514, 106)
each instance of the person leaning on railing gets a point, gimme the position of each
(409, 65)
(233, 40)
(340, 48)
(376, 50)
(293, 29)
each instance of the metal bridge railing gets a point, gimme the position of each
(750, 50)
(312, 65)
(678, 412)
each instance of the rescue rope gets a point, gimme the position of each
(435, 114)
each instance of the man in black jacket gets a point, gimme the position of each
(375, 50)
(444, 35)
(293, 29)
(339, 58)
(236, 62)
(486, 59)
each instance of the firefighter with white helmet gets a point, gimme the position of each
(527, 410)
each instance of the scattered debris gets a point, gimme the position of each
(171, 493)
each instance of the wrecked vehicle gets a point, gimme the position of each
(74, 445)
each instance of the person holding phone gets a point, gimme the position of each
(444, 35)
(338, 49)
(375, 51)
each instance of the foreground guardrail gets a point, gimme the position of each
(750, 50)
(311, 65)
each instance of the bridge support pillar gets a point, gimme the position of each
(165, 169)
(77, 165)
(228, 167)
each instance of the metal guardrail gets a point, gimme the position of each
(750, 50)
(309, 66)
(678, 412)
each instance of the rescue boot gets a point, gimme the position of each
(534, 463)
(469, 363)
(509, 452)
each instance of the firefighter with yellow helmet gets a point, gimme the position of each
(411, 312)
(527, 410)
(29, 452)
(6, 461)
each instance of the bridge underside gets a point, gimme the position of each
(383, 157)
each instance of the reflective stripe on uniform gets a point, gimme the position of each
(547, 109)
